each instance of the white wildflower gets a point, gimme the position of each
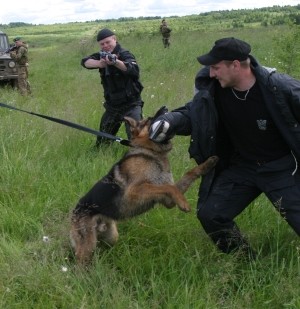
(64, 269)
(46, 239)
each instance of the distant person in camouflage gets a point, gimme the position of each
(166, 33)
(20, 55)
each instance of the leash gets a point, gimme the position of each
(72, 125)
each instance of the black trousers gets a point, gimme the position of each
(113, 117)
(236, 187)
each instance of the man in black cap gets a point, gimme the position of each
(249, 116)
(119, 73)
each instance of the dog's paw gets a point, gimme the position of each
(212, 161)
(185, 207)
(209, 164)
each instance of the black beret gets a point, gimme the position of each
(103, 34)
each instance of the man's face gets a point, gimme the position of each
(108, 44)
(224, 72)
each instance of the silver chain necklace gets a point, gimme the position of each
(241, 99)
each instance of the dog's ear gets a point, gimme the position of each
(130, 121)
(133, 126)
(137, 124)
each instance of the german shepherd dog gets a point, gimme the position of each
(133, 186)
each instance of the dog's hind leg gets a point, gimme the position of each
(188, 178)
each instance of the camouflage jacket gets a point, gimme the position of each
(20, 55)
(165, 31)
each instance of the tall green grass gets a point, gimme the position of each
(163, 259)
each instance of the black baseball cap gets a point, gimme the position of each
(226, 49)
(103, 34)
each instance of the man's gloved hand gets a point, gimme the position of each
(159, 130)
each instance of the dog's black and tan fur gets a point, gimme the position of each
(133, 186)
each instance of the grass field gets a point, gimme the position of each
(163, 259)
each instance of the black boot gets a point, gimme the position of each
(232, 241)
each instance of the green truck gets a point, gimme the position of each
(8, 67)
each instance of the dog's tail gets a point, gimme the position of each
(188, 178)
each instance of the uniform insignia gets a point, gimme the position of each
(262, 124)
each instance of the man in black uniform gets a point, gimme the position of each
(249, 116)
(119, 73)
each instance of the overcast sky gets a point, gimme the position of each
(64, 11)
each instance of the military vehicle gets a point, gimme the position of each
(8, 67)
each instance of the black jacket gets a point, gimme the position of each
(199, 118)
(120, 87)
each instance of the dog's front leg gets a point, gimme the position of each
(148, 193)
(107, 230)
(84, 238)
